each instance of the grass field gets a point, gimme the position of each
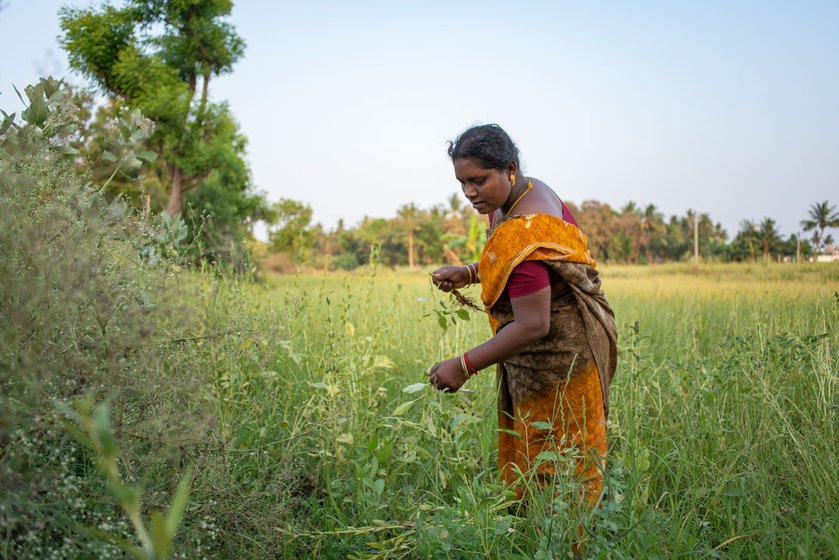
(319, 438)
(723, 436)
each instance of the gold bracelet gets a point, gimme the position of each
(463, 365)
(469, 270)
(475, 271)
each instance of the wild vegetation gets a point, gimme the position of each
(158, 404)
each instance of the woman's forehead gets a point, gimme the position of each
(470, 167)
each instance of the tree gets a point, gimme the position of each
(151, 55)
(822, 216)
(768, 238)
(408, 220)
(292, 232)
(596, 219)
(745, 242)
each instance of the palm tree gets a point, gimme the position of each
(767, 237)
(822, 216)
(409, 217)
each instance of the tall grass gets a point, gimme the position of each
(321, 439)
(722, 440)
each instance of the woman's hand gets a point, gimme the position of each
(448, 374)
(448, 278)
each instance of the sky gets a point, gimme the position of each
(729, 108)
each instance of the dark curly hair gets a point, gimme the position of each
(488, 144)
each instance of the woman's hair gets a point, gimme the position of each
(488, 144)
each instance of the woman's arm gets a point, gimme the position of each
(531, 321)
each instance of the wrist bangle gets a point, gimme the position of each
(469, 367)
(471, 278)
(463, 365)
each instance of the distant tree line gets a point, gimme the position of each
(453, 233)
(154, 61)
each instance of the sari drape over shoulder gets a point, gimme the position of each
(562, 380)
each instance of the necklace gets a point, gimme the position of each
(527, 190)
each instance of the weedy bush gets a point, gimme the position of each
(85, 311)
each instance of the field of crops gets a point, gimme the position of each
(300, 405)
(723, 434)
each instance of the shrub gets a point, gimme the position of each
(86, 293)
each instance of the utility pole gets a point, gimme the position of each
(696, 237)
(798, 248)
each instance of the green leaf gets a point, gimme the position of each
(549, 456)
(178, 505)
(104, 434)
(146, 156)
(376, 486)
(8, 120)
(642, 460)
(415, 388)
(513, 433)
(51, 86)
(66, 150)
(161, 541)
(441, 320)
(383, 455)
(403, 408)
(18, 94)
(37, 112)
(108, 156)
(379, 486)
(542, 425)
(462, 314)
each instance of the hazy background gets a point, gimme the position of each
(726, 108)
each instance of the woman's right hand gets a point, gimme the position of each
(448, 278)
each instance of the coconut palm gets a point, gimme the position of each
(822, 216)
(767, 237)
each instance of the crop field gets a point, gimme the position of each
(723, 436)
(319, 437)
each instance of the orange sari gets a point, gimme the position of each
(553, 396)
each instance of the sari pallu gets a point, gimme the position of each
(561, 380)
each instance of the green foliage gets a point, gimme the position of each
(92, 428)
(313, 431)
(84, 313)
(821, 217)
(152, 56)
(291, 232)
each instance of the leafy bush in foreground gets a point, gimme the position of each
(83, 310)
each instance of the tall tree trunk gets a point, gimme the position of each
(176, 196)
(411, 250)
(204, 91)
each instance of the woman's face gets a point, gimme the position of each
(486, 189)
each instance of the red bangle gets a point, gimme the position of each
(469, 365)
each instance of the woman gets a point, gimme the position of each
(554, 336)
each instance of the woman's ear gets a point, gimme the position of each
(512, 169)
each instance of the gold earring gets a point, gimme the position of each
(512, 180)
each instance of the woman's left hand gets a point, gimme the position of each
(448, 374)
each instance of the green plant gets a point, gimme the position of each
(92, 428)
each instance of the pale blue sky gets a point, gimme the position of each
(730, 108)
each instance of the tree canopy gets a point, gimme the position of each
(153, 55)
